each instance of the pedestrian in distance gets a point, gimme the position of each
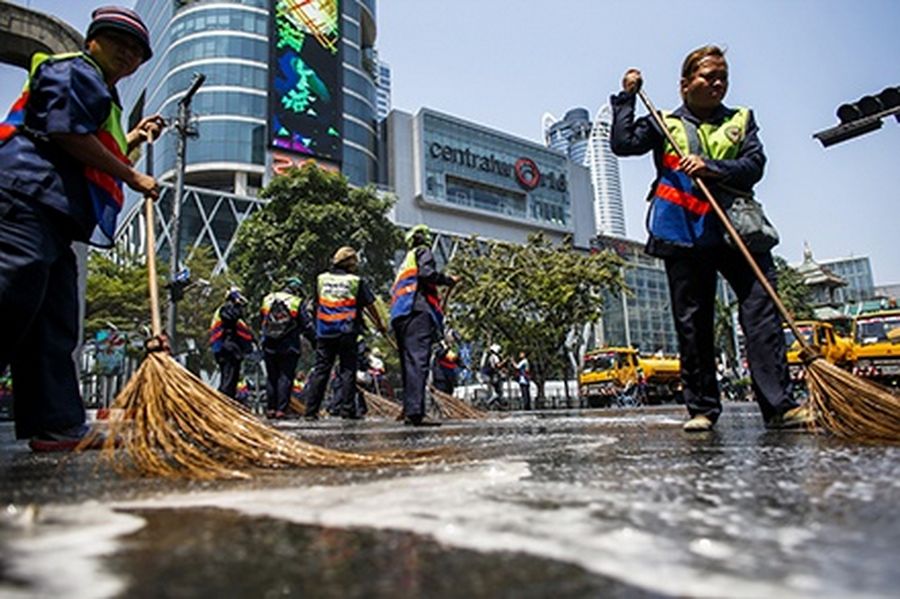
(445, 367)
(722, 146)
(523, 376)
(417, 319)
(63, 162)
(283, 322)
(230, 340)
(341, 298)
(492, 371)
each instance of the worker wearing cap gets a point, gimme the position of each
(63, 161)
(284, 320)
(341, 297)
(230, 340)
(417, 318)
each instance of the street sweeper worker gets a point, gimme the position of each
(446, 364)
(62, 166)
(283, 322)
(230, 340)
(721, 146)
(341, 297)
(417, 318)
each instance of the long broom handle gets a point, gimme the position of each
(153, 283)
(729, 228)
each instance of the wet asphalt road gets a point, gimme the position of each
(571, 504)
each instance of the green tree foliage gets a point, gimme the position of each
(529, 297)
(116, 295)
(310, 214)
(794, 293)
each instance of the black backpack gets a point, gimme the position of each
(278, 322)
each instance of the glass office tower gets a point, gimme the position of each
(229, 41)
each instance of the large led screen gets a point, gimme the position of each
(305, 100)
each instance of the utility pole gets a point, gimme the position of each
(185, 129)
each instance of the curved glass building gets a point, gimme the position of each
(229, 42)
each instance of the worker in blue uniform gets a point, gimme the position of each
(63, 161)
(417, 319)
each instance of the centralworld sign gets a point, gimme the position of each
(524, 171)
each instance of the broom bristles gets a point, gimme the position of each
(380, 406)
(454, 408)
(851, 407)
(171, 424)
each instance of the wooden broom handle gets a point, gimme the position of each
(151, 267)
(729, 227)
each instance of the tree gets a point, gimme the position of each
(530, 297)
(311, 213)
(794, 293)
(116, 295)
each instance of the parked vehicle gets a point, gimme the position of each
(620, 376)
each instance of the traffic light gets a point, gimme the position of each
(862, 116)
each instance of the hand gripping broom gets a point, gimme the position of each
(846, 405)
(170, 423)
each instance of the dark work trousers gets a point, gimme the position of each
(415, 335)
(342, 348)
(443, 382)
(525, 391)
(230, 371)
(38, 317)
(280, 370)
(692, 286)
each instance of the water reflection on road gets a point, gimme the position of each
(575, 504)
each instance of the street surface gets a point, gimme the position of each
(564, 504)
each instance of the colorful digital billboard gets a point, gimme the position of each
(305, 99)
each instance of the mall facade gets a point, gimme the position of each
(463, 179)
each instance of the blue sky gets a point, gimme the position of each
(503, 64)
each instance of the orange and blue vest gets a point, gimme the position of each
(336, 311)
(679, 214)
(403, 292)
(217, 332)
(105, 191)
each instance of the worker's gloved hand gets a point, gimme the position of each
(158, 343)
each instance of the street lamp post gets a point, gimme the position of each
(185, 129)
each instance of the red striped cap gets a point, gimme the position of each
(120, 19)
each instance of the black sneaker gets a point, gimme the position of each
(66, 440)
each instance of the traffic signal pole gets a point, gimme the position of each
(185, 130)
(862, 116)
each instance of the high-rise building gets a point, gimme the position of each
(383, 83)
(231, 42)
(587, 142)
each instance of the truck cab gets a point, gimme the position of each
(876, 336)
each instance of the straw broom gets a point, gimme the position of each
(171, 424)
(454, 408)
(380, 406)
(848, 406)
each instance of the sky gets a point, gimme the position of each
(504, 63)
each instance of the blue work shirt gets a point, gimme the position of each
(67, 96)
(633, 137)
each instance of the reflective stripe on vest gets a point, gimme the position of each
(403, 292)
(336, 311)
(678, 213)
(291, 301)
(217, 331)
(105, 191)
